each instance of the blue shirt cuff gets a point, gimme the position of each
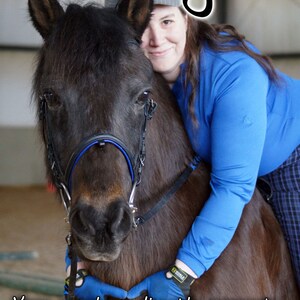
(192, 262)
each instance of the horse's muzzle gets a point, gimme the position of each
(99, 233)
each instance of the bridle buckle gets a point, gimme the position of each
(66, 199)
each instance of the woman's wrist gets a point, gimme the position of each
(181, 265)
(80, 266)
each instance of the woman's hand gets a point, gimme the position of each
(89, 287)
(158, 287)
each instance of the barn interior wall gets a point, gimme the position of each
(21, 155)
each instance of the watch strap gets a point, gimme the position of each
(182, 279)
(81, 274)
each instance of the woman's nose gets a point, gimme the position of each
(156, 37)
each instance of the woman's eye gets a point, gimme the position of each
(167, 22)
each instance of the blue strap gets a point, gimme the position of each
(98, 142)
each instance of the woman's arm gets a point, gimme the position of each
(238, 131)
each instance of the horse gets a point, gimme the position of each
(95, 92)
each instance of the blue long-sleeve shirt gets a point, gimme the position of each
(247, 126)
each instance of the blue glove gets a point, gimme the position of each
(158, 287)
(91, 287)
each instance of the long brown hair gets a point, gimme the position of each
(199, 33)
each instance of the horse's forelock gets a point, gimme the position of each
(87, 39)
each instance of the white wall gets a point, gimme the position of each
(21, 155)
(272, 25)
(15, 28)
(16, 71)
(15, 25)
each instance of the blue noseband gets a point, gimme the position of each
(100, 140)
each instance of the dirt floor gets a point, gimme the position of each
(31, 219)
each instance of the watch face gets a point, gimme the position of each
(178, 274)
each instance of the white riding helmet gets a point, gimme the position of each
(112, 3)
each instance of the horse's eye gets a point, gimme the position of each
(52, 99)
(142, 99)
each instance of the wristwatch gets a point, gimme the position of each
(80, 278)
(182, 279)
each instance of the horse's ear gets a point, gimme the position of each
(136, 12)
(44, 14)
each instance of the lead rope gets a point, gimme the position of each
(72, 278)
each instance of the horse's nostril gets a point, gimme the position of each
(117, 220)
(120, 219)
(82, 223)
(86, 223)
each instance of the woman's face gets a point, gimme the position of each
(164, 40)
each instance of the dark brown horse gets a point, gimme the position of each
(91, 83)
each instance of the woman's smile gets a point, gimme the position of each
(164, 41)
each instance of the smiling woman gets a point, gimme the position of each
(164, 41)
(227, 92)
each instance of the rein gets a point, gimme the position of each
(63, 180)
(140, 220)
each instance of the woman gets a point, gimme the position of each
(243, 117)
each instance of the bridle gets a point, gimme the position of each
(63, 180)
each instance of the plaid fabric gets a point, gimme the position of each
(285, 183)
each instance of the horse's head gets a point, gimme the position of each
(92, 83)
